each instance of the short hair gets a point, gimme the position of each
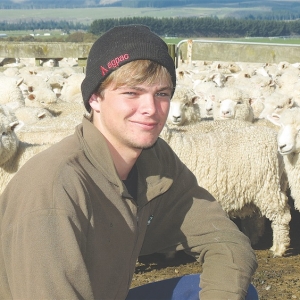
(136, 72)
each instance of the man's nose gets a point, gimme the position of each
(148, 104)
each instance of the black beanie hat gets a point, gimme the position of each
(119, 46)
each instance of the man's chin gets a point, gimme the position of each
(144, 146)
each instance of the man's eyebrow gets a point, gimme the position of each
(144, 89)
(166, 88)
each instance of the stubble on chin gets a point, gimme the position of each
(144, 146)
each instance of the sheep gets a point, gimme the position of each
(43, 136)
(68, 62)
(52, 62)
(226, 67)
(275, 104)
(34, 81)
(206, 104)
(40, 97)
(52, 129)
(30, 115)
(71, 91)
(11, 72)
(232, 103)
(65, 72)
(13, 152)
(56, 82)
(289, 147)
(241, 168)
(253, 80)
(10, 92)
(206, 92)
(183, 107)
(8, 115)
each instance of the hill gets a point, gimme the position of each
(38, 4)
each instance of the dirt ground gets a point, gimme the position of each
(275, 278)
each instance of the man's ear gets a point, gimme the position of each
(94, 102)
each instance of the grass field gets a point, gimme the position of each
(87, 15)
(170, 40)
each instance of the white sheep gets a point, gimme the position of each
(206, 92)
(30, 115)
(241, 168)
(275, 104)
(226, 67)
(252, 79)
(52, 129)
(184, 107)
(232, 103)
(11, 72)
(40, 97)
(13, 152)
(10, 92)
(71, 90)
(289, 148)
(49, 62)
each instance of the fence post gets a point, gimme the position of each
(171, 50)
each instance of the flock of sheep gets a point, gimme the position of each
(235, 125)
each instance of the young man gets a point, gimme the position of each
(76, 217)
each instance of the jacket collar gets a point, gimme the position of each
(152, 179)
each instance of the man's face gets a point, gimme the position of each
(132, 117)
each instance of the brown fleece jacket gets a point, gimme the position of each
(70, 229)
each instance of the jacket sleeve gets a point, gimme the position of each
(38, 251)
(188, 218)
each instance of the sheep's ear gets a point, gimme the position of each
(20, 81)
(212, 76)
(227, 76)
(17, 125)
(31, 97)
(13, 125)
(290, 102)
(252, 100)
(41, 115)
(195, 99)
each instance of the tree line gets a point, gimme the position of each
(32, 25)
(178, 27)
(204, 27)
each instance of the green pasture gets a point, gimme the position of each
(168, 40)
(293, 41)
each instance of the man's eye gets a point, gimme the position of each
(130, 93)
(163, 95)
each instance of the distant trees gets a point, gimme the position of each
(42, 25)
(181, 27)
(204, 27)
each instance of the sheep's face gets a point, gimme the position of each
(209, 104)
(8, 143)
(226, 108)
(176, 114)
(183, 106)
(274, 106)
(289, 134)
